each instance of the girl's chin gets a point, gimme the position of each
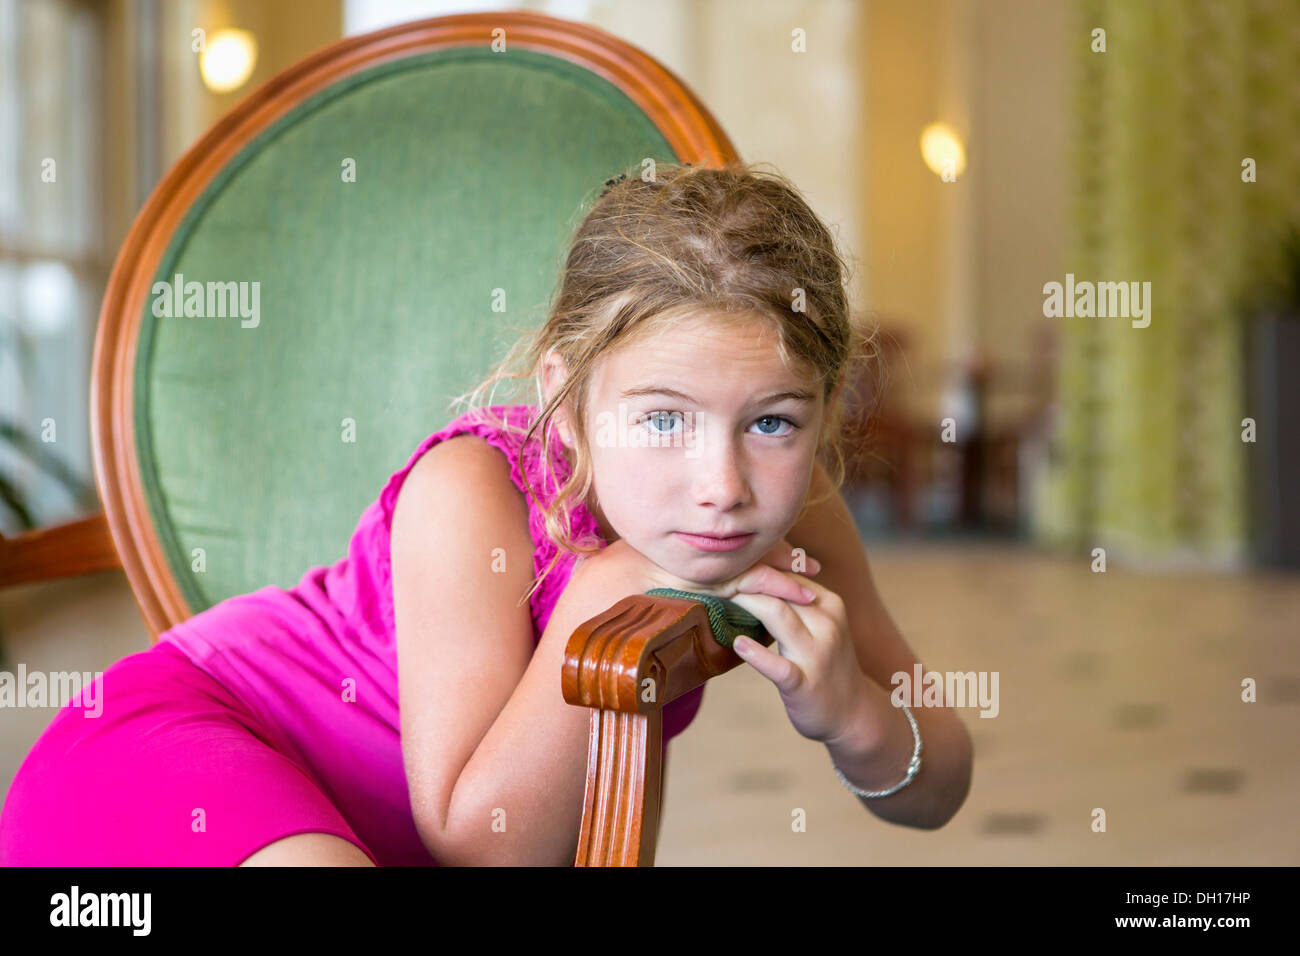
(720, 567)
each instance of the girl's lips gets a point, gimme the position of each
(715, 544)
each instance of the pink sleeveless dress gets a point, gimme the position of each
(269, 714)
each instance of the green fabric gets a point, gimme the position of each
(472, 169)
(727, 618)
(1148, 459)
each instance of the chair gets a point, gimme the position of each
(894, 448)
(385, 192)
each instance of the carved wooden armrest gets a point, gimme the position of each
(626, 664)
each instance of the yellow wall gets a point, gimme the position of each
(960, 266)
(1021, 121)
(903, 276)
(286, 31)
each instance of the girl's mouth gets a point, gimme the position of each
(705, 543)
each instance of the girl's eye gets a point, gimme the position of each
(658, 418)
(777, 419)
(663, 424)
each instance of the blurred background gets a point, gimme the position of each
(967, 153)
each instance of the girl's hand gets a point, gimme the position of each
(814, 665)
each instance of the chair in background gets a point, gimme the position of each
(883, 436)
(890, 446)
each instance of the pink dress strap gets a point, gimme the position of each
(510, 440)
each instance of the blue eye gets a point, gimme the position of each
(660, 416)
(777, 418)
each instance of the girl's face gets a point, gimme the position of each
(731, 453)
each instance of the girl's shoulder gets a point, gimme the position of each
(502, 426)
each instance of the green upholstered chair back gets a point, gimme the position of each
(388, 236)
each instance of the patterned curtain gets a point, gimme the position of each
(1148, 460)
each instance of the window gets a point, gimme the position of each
(53, 267)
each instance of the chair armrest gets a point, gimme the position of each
(59, 551)
(626, 664)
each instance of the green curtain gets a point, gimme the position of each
(1147, 458)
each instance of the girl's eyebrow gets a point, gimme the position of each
(798, 395)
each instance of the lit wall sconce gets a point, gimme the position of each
(228, 60)
(943, 152)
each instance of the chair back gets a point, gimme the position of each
(348, 249)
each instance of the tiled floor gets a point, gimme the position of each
(1118, 690)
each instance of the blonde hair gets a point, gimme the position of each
(736, 242)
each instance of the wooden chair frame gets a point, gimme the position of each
(641, 642)
(626, 664)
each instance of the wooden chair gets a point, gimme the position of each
(382, 191)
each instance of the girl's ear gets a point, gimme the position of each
(554, 374)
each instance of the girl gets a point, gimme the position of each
(688, 378)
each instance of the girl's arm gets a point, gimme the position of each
(496, 760)
(518, 801)
(877, 761)
(461, 558)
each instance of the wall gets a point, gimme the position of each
(959, 267)
(1151, 461)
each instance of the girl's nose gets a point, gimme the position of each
(720, 480)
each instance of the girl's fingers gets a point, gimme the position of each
(765, 579)
(778, 618)
(782, 672)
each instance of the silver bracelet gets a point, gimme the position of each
(913, 765)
